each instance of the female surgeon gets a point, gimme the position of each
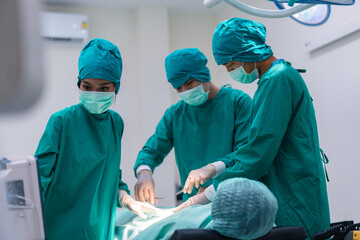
(283, 146)
(79, 154)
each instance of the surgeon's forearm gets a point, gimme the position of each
(142, 167)
(210, 192)
(121, 193)
(220, 167)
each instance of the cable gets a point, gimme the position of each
(338, 231)
(13, 206)
(30, 206)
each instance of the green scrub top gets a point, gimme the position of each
(79, 163)
(283, 150)
(200, 134)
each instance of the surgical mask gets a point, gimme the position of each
(96, 102)
(195, 96)
(241, 76)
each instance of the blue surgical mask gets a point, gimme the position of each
(195, 96)
(96, 102)
(241, 76)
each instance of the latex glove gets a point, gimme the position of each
(194, 200)
(138, 208)
(201, 190)
(145, 187)
(199, 176)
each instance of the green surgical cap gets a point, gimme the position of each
(100, 59)
(184, 64)
(243, 209)
(240, 39)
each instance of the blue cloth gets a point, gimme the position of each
(240, 39)
(100, 59)
(184, 64)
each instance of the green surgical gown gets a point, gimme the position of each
(200, 134)
(283, 150)
(79, 160)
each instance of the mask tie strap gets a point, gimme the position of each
(325, 161)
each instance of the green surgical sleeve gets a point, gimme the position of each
(242, 128)
(122, 185)
(48, 150)
(271, 115)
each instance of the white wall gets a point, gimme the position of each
(143, 97)
(333, 81)
(331, 78)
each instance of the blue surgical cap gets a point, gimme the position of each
(243, 209)
(100, 59)
(240, 39)
(184, 64)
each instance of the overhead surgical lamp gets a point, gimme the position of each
(257, 11)
(277, 13)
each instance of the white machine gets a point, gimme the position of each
(21, 81)
(64, 27)
(21, 215)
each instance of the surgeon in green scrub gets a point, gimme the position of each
(79, 154)
(205, 127)
(283, 149)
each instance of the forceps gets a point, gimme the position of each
(177, 193)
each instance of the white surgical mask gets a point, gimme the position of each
(241, 76)
(96, 102)
(195, 96)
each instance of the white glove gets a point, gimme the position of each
(145, 187)
(194, 200)
(199, 176)
(136, 207)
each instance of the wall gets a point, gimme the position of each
(333, 82)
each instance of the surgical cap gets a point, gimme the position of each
(243, 209)
(240, 39)
(185, 64)
(100, 59)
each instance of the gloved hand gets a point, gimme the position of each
(194, 200)
(145, 187)
(136, 207)
(199, 176)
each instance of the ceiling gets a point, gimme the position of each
(180, 5)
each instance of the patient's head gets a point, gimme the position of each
(243, 209)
